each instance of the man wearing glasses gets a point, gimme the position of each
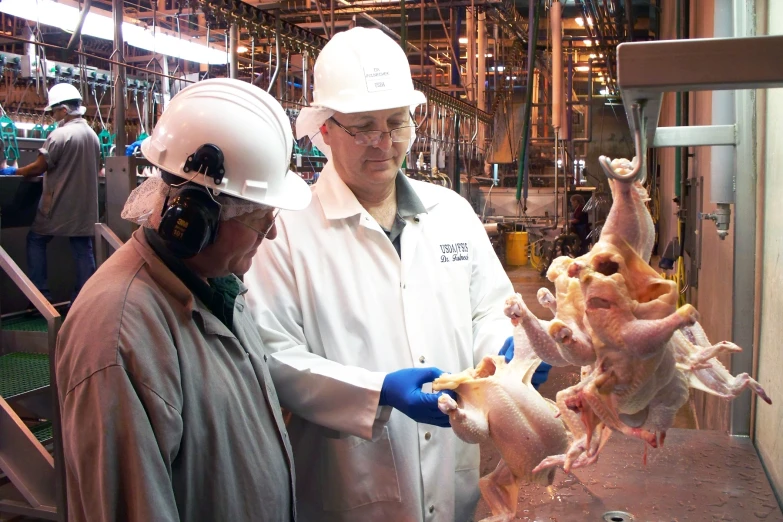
(370, 293)
(168, 408)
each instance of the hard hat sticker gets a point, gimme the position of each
(378, 79)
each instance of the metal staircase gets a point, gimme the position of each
(32, 474)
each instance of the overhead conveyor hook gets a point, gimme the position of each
(639, 163)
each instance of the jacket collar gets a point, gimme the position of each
(339, 202)
(170, 283)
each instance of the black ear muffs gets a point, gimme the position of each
(190, 222)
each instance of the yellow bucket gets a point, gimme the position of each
(516, 248)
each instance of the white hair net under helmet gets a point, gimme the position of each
(145, 203)
(359, 70)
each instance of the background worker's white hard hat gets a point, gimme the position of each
(250, 129)
(62, 92)
(363, 70)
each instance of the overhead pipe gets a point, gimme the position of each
(535, 13)
(233, 44)
(481, 95)
(77, 32)
(724, 158)
(118, 73)
(470, 53)
(556, 26)
(277, 56)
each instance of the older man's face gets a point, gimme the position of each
(236, 243)
(367, 168)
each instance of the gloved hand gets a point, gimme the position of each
(8, 171)
(542, 372)
(131, 149)
(402, 390)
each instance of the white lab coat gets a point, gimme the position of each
(338, 310)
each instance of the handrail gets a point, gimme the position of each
(102, 231)
(53, 322)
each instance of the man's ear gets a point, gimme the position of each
(325, 134)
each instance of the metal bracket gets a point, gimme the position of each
(695, 136)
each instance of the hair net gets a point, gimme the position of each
(145, 203)
(309, 122)
(74, 108)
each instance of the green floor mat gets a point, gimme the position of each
(25, 324)
(42, 432)
(23, 372)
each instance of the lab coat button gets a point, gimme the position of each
(427, 436)
(432, 508)
(264, 357)
(422, 359)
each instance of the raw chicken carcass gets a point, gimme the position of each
(496, 401)
(647, 353)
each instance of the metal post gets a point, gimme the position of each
(743, 317)
(118, 73)
(233, 44)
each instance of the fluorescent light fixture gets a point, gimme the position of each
(582, 68)
(242, 49)
(463, 40)
(588, 42)
(593, 56)
(499, 68)
(487, 55)
(96, 25)
(581, 22)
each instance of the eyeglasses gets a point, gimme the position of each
(373, 138)
(253, 224)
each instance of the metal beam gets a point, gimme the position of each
(695, 136)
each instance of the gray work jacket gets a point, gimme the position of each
(69, 201)
(166, 413)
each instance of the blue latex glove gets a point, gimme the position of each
(402, 390)
(131, 149)
(542, 372)
(8, 171)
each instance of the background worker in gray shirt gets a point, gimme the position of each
(168, 409)
(71, 158)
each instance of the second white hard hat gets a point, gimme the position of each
(232, 137)
(363, 70)
(62, 92)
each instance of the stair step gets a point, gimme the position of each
(22, 373)
(25, 324)
(42, 432)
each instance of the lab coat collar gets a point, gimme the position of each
(339, 202)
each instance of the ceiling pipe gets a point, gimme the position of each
(77, 32)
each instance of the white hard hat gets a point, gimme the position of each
(62, 92)
(363, 70)
(232, 137)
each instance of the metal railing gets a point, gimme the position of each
(104, 233)
(34, 485)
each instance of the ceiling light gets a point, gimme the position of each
(241, 49)
(487, 55)
(580, 21)
(582, 68)
(463, 40)
(593, 56)
(600, 55)
(588, 43)
(96, 25)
